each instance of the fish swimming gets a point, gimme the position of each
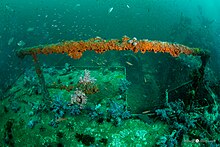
(10, 40)
(110, 10)
(21, 43)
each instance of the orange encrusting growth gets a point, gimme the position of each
(75, 49)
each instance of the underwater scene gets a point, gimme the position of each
(110, 73)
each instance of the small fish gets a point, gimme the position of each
(10, 40)
(129, 63)
(145, 112)
(145, 80)
(110, 10)
(30, 29)
(77, 5)
(21, 43)
(60, 119)
(128, 6)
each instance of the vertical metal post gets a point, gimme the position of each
(40, 75)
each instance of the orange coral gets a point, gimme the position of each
(75, 49)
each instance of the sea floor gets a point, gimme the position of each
(26, 122)
(106, 119)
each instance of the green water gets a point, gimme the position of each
(118, 98)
